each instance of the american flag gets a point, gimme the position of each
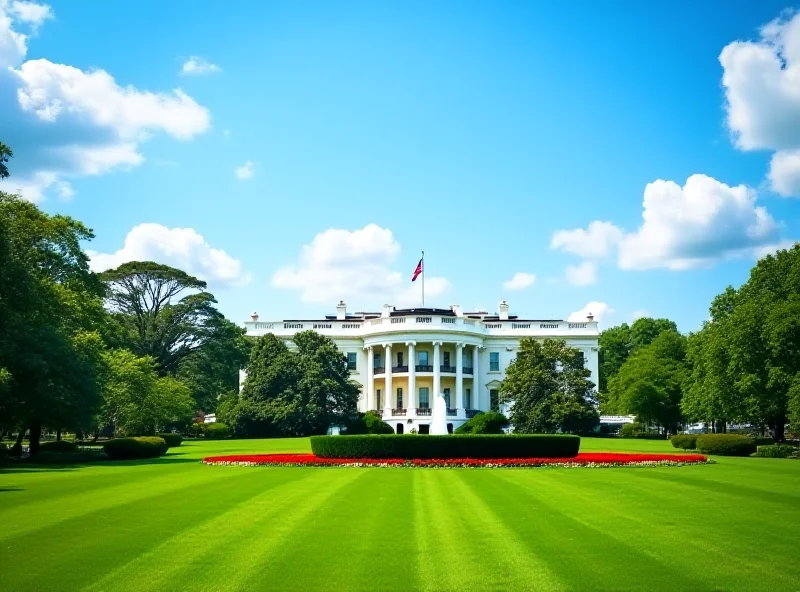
(417, 271)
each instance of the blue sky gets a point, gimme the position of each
(297, 153)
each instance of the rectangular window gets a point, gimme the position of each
(446, 359)
(494, 400)
(399, 358)
(376, 362)
(351, 360)
(399, 398)
(380, 401)
(467, 398)
(494, 361)
(447, 397)
(424, 400)
(423, 358)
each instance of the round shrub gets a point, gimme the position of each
(777, 451)
(374, 424)
(629, 430)
(490, 422)
(726, 444)
(134, 448)
(455, 446)
(172, 440)
(684, 441)
(59, 446)
(217, 431)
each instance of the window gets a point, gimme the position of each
(351, 360)
(380, 401)
(376, 362)
(399, 398)
(447, 397)
(494, 400)
(447, 359)
(423, 358)
(467, 398)
(494, 361)
(399, 358)
(424, 398)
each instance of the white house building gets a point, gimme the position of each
(403, 357)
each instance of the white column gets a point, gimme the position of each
(412, 379)
(388, 397)
(476, 379)
(437, 371)
(371, 380)
(459, 380)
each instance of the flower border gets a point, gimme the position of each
(588, 459)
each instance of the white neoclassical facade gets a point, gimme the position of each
(403, 357)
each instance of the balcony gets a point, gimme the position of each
(398, 412)
(423, 411)
(399, 368)
(423, 368)
(466, 370)
(452, 412)
(379, 370)
(448, 369)
(472, 413)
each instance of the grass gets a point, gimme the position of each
(173, 523)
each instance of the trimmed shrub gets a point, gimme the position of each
(172, 440)
(374, 424)
(726, 444)
(59, 446)
(684, 441)
(490, 422)
(777, 451)
(217, 431)
(456, 446)
(761, 441)
(138, 447)
(629, 430)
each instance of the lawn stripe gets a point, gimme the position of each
(455, 529)
(232, 527)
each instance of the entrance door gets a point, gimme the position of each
(399, 428)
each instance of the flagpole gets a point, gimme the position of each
(423, 279)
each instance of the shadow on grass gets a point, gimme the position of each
(4, 489)
(37, 467)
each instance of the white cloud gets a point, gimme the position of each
(183, 248)
(595, 242)
(13, 43)
(601, 311)
(195, 66)
(520, 281)
(245, 171)
(765, 250)
(355, 265)
(30, 13)
(763, 97)
(584, 274)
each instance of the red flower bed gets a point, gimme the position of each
(588, 459)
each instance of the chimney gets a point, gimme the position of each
(456, 308)
(341, 311)
(254, 316)
(387, 310)
(590, 317)
(503, 311)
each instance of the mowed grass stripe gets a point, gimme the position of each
(233, 527)
(359, 540)
(462, 545)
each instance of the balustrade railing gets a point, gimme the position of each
(466, 370)
(472, 413)
(451, 412)
(448, 369)
(396, 412)
(399, 368)
(423, 368)
(379, 370)
(423, 411)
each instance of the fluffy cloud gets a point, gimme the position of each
(63, 122)
(596, 241)
(762, 98)
(584, 274)
(183, 248)
(520, 281)
(602, 312)
(765, 250)
(245, 171)
(195, 66)
(355, 265)
(690, 226)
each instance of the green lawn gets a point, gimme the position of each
(175, 524)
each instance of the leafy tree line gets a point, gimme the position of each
(133, 349)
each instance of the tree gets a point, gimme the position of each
(550, 389)
(5, 155)
(294, 393)
(164, 312)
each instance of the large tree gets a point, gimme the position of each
(5, 155)
(550, 389)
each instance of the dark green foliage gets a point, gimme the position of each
(216, 431)
(61, 446)
(135, 448)
(456, 446)
(777, 451)
(172, 440)
(629, 430)
(726, 444)
(368, 423)
(649, 436)
(484, 423)
(684, 441)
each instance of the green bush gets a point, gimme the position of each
(761, 441)
(456, 446)
(777, 451)
(374, 424)
(726, 444)
(684, 441)
(629, 430)
(60, 446)
(484, 423)
(138, 447)
(217, 431)
(172, 440)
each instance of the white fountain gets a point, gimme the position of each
(439, 417)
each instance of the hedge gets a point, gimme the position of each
(490, 422)
(778, 451)
(217, 431)
(172, 440)
(60, 446)
(138, 447)
(684, 441)
(455, 446)
(726, 444)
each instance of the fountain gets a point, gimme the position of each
(439, 417)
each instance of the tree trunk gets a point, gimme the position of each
(35, 437)
(16, 449)
(778, 430)
(58, 434)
